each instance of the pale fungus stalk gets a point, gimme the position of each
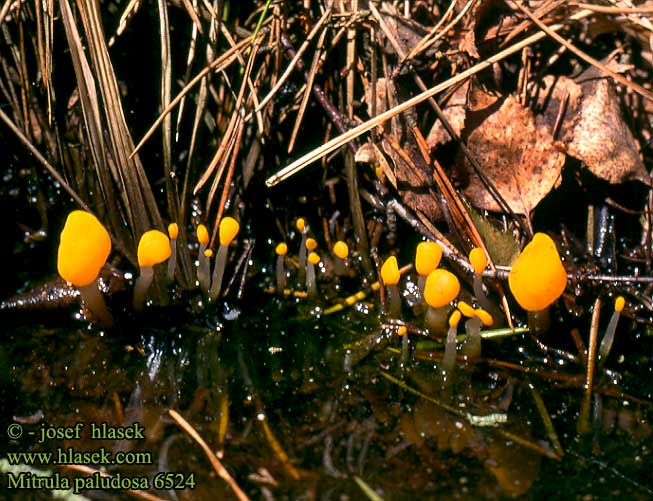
(311, 283)
(390, 277)
(440, 289)
(608, 338)
(427, 259)
(471, 348)
(479, 261)
(405, 345)
(173, 233)
(228, 230)
(203, 269)
(84, 247)
(341, 251)
(537, 279)
(153, 248)
(302, 227)
(281, 250)
(449, 357)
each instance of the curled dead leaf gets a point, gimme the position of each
(593, 129)
(516, 155)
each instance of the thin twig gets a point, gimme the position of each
(213, 459)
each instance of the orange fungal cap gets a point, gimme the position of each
(427, 257)
(84, 247)
(300, 224)
(208, 253)
(153, 248)
(202, 234)
(441, 288)
(313, 258)
(484, 317)
(281, 249)
(619, 304)
(341, 249)
(466, 309)
(402, 330)
(390, 271)
(311, 244)
(538, 277)
(173, 230)
(454, 319)
(478, 259)
(228, 230)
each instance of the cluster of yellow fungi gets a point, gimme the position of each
(85, 245)
(308, 260)
(537, 278)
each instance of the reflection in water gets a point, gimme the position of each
(295, 406)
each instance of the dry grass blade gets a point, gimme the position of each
(291, 65)
(190, 8)
(142, 211)
(307, 90)
(224, 60)
(425, 42)
(215, 462)
(338, 141)
(53, 172)
(641, 9)
(236, 117)
(105, 169)
(130, 11)
(584, 425)
(583, 55)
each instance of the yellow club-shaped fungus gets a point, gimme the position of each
(441, 287)
(477, 317)
(449, 357)
(302, 227)
(390, 277)
(537, 279)
(203, 269)
(311, 244)
(281, 250)
(311, 284)
(608, 338)
(341, 251)
(84, 247)
(427, 259)
(479, 261)
(228, 230)
(153, 248)
(173, 233)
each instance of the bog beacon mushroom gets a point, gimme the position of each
(341, 250)
(281, 250)
(153, 248)
(227, 231)
(311, 284)
(477, 317)
(173, 233)
(84, 247)
(479, 261)
(203, 269)
(538, 279)
(449, 357)
(427, 258)
(302, 227)
(608, 338)
(390, 276)
(440, 289)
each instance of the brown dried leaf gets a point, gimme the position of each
(455, 112)
(516, 155)
(593, 129)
